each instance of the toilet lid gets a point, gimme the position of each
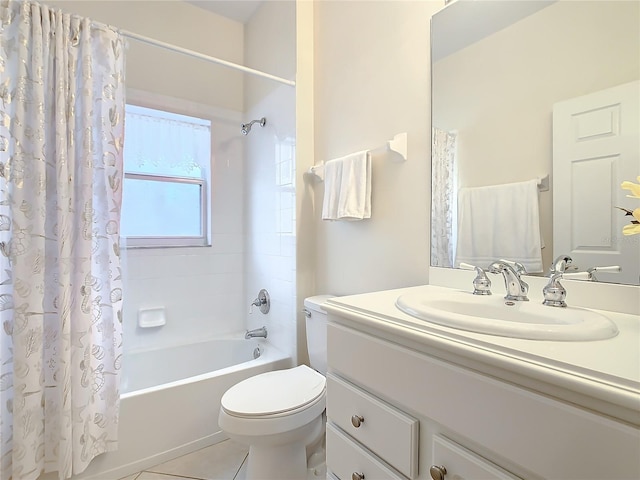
(274, 392)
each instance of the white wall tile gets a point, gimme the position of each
(201, 288)
(207, 291)
(270, 260)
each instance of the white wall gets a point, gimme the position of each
(270, 172)
(371, 82)
(305, 217)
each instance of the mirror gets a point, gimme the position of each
(500, 68)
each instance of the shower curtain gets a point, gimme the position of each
(443, 194)
(61, 135)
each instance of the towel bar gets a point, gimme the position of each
(543, 183)
(397, 146)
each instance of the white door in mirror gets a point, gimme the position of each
(596, 146)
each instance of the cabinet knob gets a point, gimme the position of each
(437, 472)
(357, 476)
(356, 421)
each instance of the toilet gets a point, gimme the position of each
(280, 414)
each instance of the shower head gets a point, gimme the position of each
(246, 127)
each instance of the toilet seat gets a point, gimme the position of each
(275, 394)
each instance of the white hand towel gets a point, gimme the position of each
(500, 221)
(347, 187)
(332, 185)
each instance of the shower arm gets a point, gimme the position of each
(246, 127)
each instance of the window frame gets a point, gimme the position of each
(173, 241)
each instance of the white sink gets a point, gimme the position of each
(493, 315)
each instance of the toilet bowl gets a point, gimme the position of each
(280, 414)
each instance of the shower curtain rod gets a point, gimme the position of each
(207, 58)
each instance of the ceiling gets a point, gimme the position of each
(238, 10)
(462, 23)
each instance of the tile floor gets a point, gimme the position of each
(222, 461)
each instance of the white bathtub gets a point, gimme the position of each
(170, 400)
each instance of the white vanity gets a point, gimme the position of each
(433, 382)
(409, 399)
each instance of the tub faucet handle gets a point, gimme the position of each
(263, 302)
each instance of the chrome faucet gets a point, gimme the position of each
(516, 288)
(256, 332)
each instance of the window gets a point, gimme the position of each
(167, 161)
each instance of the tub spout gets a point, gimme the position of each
(257, 332)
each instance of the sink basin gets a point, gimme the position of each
(495, 316)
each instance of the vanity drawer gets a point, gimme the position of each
(388, 432)
(464, 464)
(346, 459)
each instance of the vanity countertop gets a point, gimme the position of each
(602, 375)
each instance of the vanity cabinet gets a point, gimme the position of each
(463, 423)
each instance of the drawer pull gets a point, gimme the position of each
(356, 421)
(357, 476)
(437, 472)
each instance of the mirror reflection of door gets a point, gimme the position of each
(596, 146)
(498, 67)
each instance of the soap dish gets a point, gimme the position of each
(151, 317)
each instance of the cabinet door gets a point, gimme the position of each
(462, 464)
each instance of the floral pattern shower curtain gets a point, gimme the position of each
(61, 134)
(443, 194)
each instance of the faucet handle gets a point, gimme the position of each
(590, 274)
(554, 293)
(263, 302)
(481, 284)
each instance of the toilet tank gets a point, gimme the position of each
(317, 332)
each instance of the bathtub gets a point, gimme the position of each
(170, 400)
